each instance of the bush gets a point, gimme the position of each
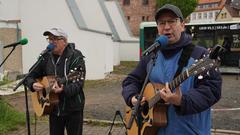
(9, 118)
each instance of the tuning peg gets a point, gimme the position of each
(200, 77)
(71, 70)
(208, 73)
(211, 64)
(203, 68)
(204, 55)
(196, 60)
(74, 81)
(75, 68)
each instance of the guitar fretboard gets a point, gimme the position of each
(172, 85)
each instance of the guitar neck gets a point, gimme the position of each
(178, 80)
(172, 85)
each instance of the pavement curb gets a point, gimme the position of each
(96, 121)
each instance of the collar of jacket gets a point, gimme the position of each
(172, 49)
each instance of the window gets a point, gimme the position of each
(128, 18)
(204, 15)
(224, 15)
(143, 18)
(199, 15)
(210, 15)
(147, 19)
(144, 2)
(194, 16)
(126, 2)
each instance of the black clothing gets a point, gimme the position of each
(73, 121)
(71, 99)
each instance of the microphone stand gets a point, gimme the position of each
(22, 82)
(8, 55)
(136, 110)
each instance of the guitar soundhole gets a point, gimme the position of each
(145, 108)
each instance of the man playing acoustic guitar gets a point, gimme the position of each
(188, 104)
(66, 65)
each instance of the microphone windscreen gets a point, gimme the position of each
(23, 41)
(162, 40)
(50, 47)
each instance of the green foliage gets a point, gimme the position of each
(186, 6)
(4, 81)
(9, 118)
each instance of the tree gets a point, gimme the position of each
(186, 6)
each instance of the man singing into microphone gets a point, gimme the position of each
(68, 113)
(188, 106)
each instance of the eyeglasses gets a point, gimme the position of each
(54, 38)
(171, 22)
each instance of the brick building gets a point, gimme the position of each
(210, 11)
(137, 11)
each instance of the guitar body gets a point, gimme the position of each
(153, 118)
(146, 130)
(157, 115)
(44, 101)
(134, 129)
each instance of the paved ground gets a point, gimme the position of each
(103, 100)
(88, 129)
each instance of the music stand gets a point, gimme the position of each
(117, 113)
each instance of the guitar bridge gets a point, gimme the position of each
(42, 101)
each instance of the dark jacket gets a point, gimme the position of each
(72, 98)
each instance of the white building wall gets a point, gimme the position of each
(42, 15)
(9, 10)
(204, 20)
(128, 46)
(100, 50)
(127, 49)
(116, 56)
(94, 18)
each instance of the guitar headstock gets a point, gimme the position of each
(77, 74)
(202, 65)
(206, 63)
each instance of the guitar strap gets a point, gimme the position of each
(182, 62)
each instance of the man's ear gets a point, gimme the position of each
(183, 26)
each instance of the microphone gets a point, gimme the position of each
(160, 42)
(22, 42)
(49, 48)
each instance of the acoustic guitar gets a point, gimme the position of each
(154, 112)
(44, 101)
